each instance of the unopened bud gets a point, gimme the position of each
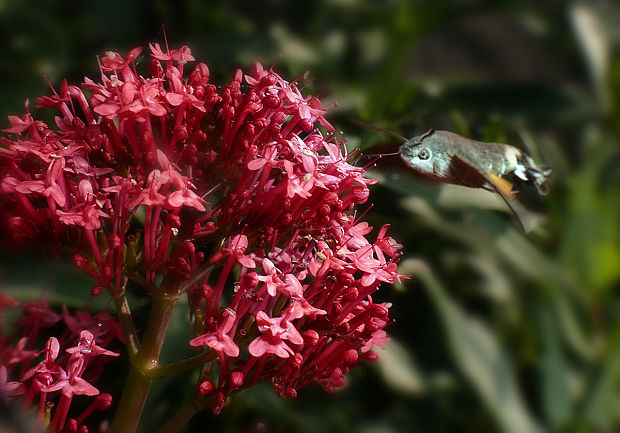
(205, 388)
(236, 378)
(370, 356)
(290, 393)
(311, 337)
(104, 401)
(96, 291)
(350, 357)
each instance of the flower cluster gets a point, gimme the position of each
(52, 383)
(242, 198)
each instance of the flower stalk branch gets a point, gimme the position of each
(177, 367)
(126, 321)
(139, 381)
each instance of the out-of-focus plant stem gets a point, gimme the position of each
(139, 380)
(186, 413)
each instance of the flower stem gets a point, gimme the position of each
(138, 382)
(179, 366)
(129, 330)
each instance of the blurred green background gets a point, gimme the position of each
(496, 330)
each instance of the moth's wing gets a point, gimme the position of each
(462, 172)
(467, 173)
(526, 219)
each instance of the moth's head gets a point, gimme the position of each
(417, 152)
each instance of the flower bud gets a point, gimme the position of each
(350, 357)
(290, 393)
(236, 378)
(114, 241)
(370, 356)
(104, 401)
(80, 261)
(96, 291)
(351, 293)
(311, 337)
(205, 388)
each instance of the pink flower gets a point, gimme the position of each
(274, 331)
(9, 389)
(49, 376)
(86, 215)
(87, 347)
(71, 382)
(48, 187)
(37, 315)
(299, 309)
(182, 55)
(357, 235)
(220, 340)
(105, 326)
(271, 278)
(18, 354)
(237, 245)
(48, 368)
(378, 337)
(324, 260)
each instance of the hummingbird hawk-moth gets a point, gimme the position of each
(447, 157)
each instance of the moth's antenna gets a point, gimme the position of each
(376, 128)
(381, 155)
(427, 134)
(373, 157)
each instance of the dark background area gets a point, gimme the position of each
(496, 330)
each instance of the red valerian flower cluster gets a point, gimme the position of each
(51, 384)
(240, 197)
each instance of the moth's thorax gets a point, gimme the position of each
(511, 158)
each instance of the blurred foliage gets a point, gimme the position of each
(496, 330)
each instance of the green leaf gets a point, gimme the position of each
(60, 282)
(556, 393)
(498, 243)
(480, 359)
(398, 369)
(601, 404)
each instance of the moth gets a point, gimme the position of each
(447, 157)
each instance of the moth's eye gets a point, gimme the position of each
(424, 154)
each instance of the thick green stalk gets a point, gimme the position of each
(138, 382)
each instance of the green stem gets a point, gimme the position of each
(177, 367)
(138, 382)
(127, 325)
(198, 275)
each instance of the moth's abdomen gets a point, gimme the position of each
(494, 158)
(539, 176)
